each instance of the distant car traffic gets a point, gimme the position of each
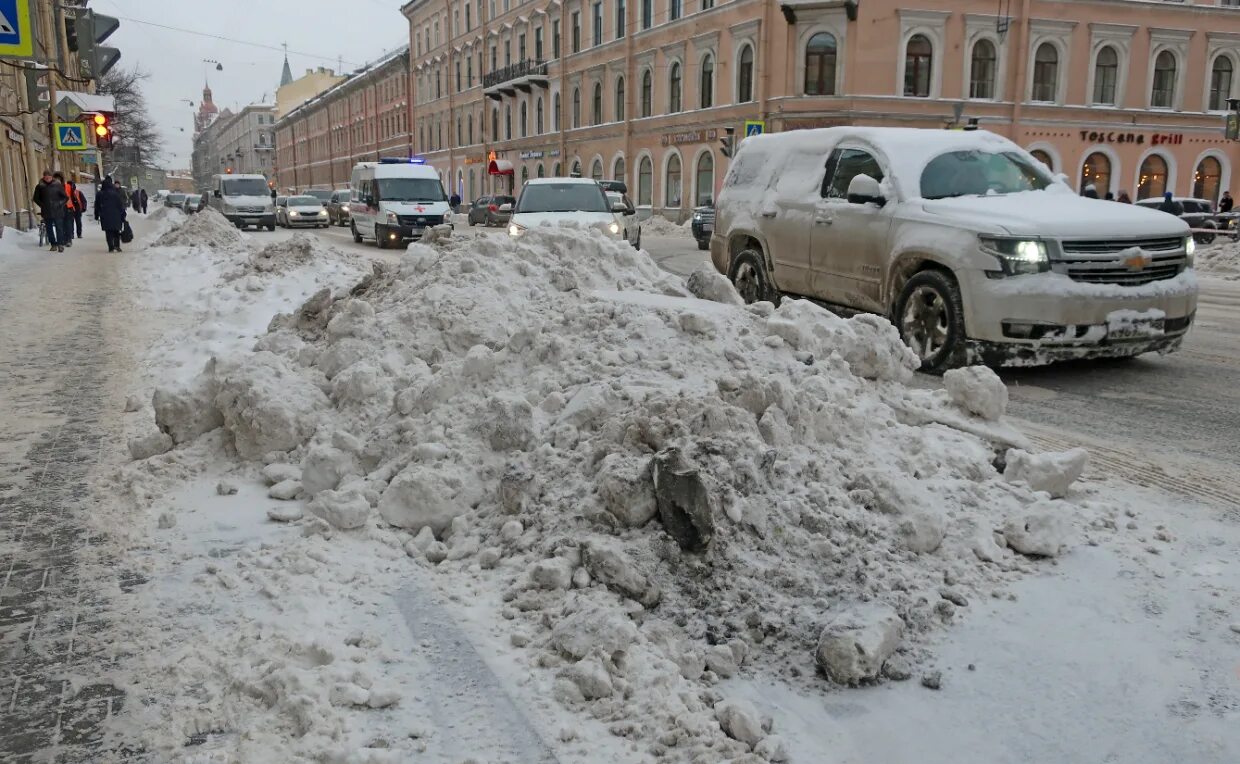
(703, 224)
(300, 212)
(632, 227)
(193, 203)
(338, 207)
(322, 194)
(557, 201)
(174, 200)
(486, 211)
(1198, 213)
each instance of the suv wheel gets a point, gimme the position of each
(753, 283)
(930, 317)
(357, 237)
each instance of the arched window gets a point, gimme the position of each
(1096, 172)
(1152, 182)
(469, 124)
(619, 110)
(524, 119)
(645, 181)
(596, 105)
(555, 171)
(1162, 94)
(1045, 73)
(982, 70)
(1106, 75)
(705, 179)
(596, 170)
(495, 124)
(525, 175)
(540, 171)
(744, 76)
(820, 64)
(460, 136)
(671, 195)
(473, 190)
(538, 117)
(576, 107)
(1044, 158)
(576, 171)
(617, 169)
(1220, 83)
(1206, 179)
(918, 60)
(706, 84)
(647, 93)
(508, 122)
(555, 115)
(673, 88)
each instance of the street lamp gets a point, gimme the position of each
(218, 66)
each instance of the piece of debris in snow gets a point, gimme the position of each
(977, 390)
(1041, 531)
(740, 720)
(1053, 473)
(149, 445)
(684, 502)
(225, 488)
(933, 680)
(854, 646)
(133, 403)
(607, 563)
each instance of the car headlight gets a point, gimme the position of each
(293, 213)
(1190, 249)
(392, 218)
(1017, 256)
(614, 228)
(515, 230)
(697, 217)
(322, 213)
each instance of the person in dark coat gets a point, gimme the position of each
(51, 197)
(1226, 203)
(455, 202)
(1124, 198)
(1170, 205)
(1110, 197)
(1090, 192)
(142, 198)
(71, 208)
(135, 201)
(110, 211)
(79, 208)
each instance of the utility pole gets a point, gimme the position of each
(31, 163)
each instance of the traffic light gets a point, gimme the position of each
(102, 123)
(94, 59)
(71, 37)
(727, 145)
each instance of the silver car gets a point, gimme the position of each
(300, 212)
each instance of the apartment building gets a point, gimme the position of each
(1127, 95)
(363, 117)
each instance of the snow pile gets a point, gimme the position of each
(657, 225)
(657, 492)
(1220, 260)
(207, 229)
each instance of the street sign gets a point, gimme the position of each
(70, 136)
(90, 157)
(1232, 130)
(16, 32)
(754, 127)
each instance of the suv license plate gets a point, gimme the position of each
(1131, 330)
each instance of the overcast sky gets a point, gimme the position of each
(316, 31)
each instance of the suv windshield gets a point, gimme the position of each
(979, 173)
(410, 190)
(321, 194)
(563, 197)
(302, 201)
(174, 198)
(246, 187)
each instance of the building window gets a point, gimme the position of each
(708, 4)
(458, 76)
(538, 117)
(1153, 180)
(1045, 73)
(507, 52)
(671, 197)
(596, 25)
(707, 84)
(555, 114)
(539, 173)
(596, 169)
(1096, 172)
(1162, 95)
(673, 9)
(617, 170)
(575, 172)
(524, 124)
(673, 86)
(645, 181)
(508, 122)
(469, 124)
(1044, 158)
(982, 70)
(521, 47)
(555, 38)
(576, 31)
(1206, 179)
(494, 58)
(576, 107)
(705, 179)
(918, 58)
(647, 13)
(647, 93)
(525, 175)
(621, 18)
(1106, 75)
(555, 171)
(820, 65)
(469, 72)
(1220, 83)
(596, 105)
(619, 111)
(495, 124)
(744, 77)
(468, 25)
(538, 46)
(460, 135)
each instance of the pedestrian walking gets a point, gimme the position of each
(110, 212)
(142, 197)
(1124, 198)
(455, 203)
(1170, 205)
(70, 201)
(79, 208)
(1226, 203)
(50, 195)
(135, 201)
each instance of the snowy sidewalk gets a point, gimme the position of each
(55, 366)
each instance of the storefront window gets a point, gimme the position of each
(596, 170)
(705, 179)
(617, 170)
(539, 172)
(1206, 179)
(1096, 172)
(1044, 158)
(1153, 181)
(671, 197)
(645, 181)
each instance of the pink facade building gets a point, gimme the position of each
(1126, 95)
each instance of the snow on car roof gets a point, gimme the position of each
(546, 181)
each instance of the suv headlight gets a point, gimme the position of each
(1190, 250)
(1017, 256)
(515, 230)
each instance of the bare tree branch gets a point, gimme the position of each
(136, 135)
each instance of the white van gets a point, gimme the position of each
(395, 200)
(245, 200)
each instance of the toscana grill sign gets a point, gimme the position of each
(1154, 139)
(689, 136)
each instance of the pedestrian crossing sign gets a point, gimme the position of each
(16, 33)
(70, 136)
(754, 127)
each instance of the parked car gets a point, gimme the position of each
(969, 244)
(322, 194)
(703, 224)
(632, 227)
(1198, 213)
(193, 203)
(556, 201)
(338, 207)
(486, 210)
(174, 200)
(300, 212)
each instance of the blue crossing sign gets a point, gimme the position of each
(16, 33)
(754, 127)
(70, 136)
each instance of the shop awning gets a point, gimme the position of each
(499, 167)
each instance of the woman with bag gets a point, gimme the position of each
(110, 209)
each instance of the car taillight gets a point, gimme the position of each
(493, 208)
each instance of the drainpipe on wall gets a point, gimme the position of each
(1022, 70)
(765, 79)
(452, 142)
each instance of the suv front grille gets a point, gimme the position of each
(420, 220)
(1074, 249)
(1102, 261)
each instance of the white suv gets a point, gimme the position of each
(962, 238)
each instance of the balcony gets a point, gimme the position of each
(523, 76)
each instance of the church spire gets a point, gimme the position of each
(286, 77)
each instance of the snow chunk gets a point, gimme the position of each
(1041, 531)
(740, 720)
(152, 444)
(590, 677)
(608, 564)
(188, 412)
(921, 531)
(324, 466)
(706, 283)
(624, 483)
(978, 390)
(285, 490)
(266, 405)
(858, 641)
(423, 496)
(1053, 473)
(345, 509)
(553, 573)
(605, 629)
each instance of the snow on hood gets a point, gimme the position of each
(533, 219)
(1055, 213)
(248, 201)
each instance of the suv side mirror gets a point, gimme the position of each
(620, 207)
(863, 189)
(216, 193)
